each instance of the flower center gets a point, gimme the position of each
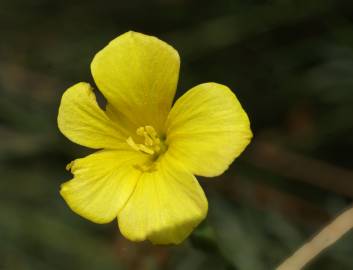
(152, 143)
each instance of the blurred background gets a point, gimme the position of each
(289, 62)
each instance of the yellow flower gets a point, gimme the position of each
(150, 151)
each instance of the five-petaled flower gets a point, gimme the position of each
(143, 173)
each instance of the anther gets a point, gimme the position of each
(139, 147)
(152, 143)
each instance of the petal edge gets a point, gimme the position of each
(207, 129)
(165, 207)
(82, 121)
(102, 184)
(138, 75)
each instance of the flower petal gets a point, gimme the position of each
(207, 129)
(138, 75)
(166, 206)
(82, 121)
(102, 183)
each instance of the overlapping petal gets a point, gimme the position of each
(207, 129)
(138, 75)
(82, 121)
(166, 206)
(102, 183)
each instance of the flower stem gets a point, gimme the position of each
(329, 235)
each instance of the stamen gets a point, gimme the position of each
(130, 141)
(139, 147)
(150, 130)
(146, 150)
(152, 144)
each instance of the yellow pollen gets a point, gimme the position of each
(152, 143)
